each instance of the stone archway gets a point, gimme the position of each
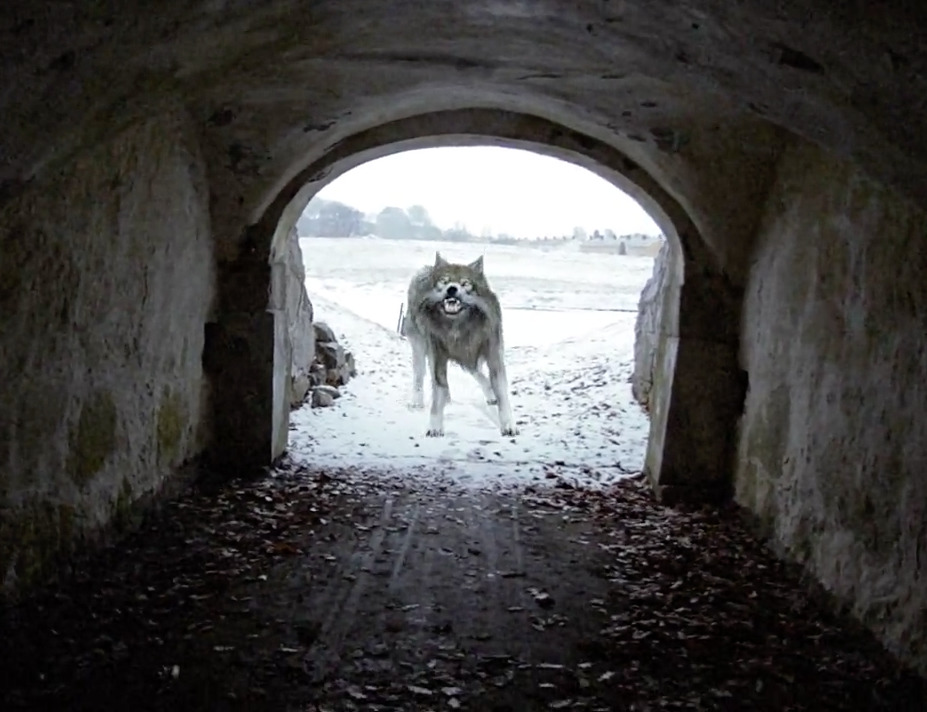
(700, 389)
(143, 154)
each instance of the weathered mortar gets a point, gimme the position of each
(833, 448)
(106, 283)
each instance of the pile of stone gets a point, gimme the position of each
(331, 368)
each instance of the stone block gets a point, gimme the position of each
(324, 333)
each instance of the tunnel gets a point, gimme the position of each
(153, 162)
(700, 471)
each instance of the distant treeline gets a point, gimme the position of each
(330, 218)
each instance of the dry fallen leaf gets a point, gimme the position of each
(355, 693)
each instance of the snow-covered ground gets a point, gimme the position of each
(569, 330)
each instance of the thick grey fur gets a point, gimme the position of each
(471, 337)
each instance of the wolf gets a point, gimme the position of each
(453, 315)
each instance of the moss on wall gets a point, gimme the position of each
(93, 438)
(124, 514)
(172, 421)
(33, 538)
(109, 282)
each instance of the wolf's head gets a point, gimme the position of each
(457, 290)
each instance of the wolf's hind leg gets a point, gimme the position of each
(500, 386)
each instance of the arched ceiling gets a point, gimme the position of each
(699, 92)
(483, 127)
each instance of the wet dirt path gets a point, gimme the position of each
(366, 590)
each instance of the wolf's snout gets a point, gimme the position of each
(451, 290)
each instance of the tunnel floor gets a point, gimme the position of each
(386, 590)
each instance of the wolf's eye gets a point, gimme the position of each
(465, 284)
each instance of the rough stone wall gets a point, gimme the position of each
(294, 335)
(662, 286)
(833, 446)
(105, 283)
(299, 311)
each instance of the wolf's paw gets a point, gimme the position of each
(509, 430)
(416, 405)
(434, 433)
(492, 401)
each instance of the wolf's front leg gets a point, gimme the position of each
(418, 373)
(440, 393)
(500, 386)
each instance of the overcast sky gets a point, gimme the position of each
(490, 188)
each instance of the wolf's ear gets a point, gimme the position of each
(439, 260)
(477, 265)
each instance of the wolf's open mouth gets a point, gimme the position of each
(452, 306)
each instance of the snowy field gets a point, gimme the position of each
(569, 333)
